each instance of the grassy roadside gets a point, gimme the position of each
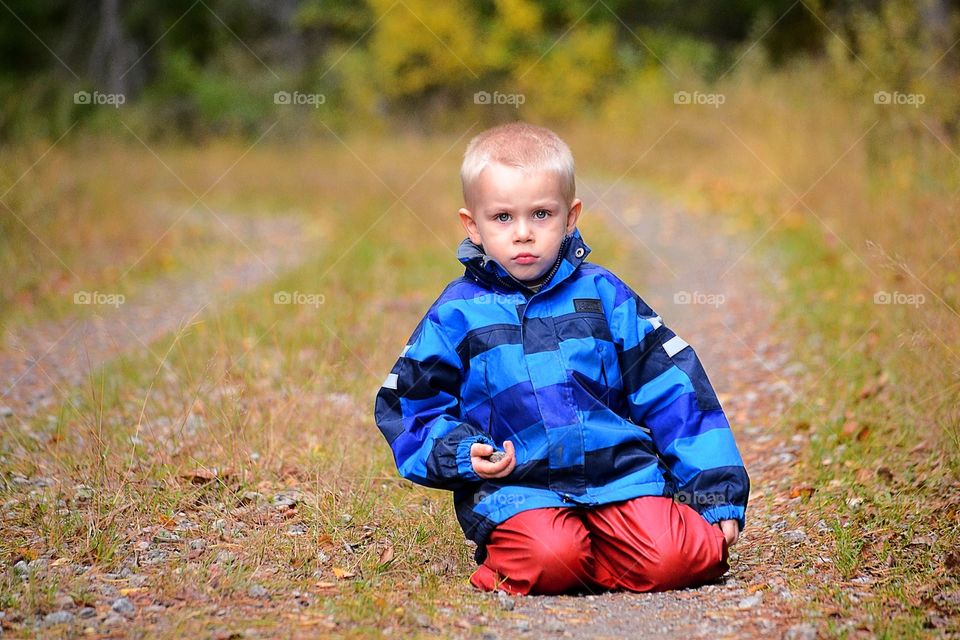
(182, 502)
(857, 206)
(232, 478)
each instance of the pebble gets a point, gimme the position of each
(804, 631)
(87, 612)
(164, 536)
(795, 535)
(286, 499)
(124, 607)
(22, 569)
(506, 602)
(5, 412)
(750, 601)
(113, 620)
(137, 581)
(259, 592)
(57, 617)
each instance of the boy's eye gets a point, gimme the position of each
(502, 217)
(540, 214)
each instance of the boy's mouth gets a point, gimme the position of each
(525, 258)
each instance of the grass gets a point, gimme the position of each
(197, 437)
(851, 201)
(276, 399)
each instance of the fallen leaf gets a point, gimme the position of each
(204, 475)
(850, 427)
(129, 591)
(26, 553)
(343, 573)
(386, 555)
(803, 490)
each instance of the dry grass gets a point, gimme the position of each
(853, 200)
(263, 400)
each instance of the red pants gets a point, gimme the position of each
(650, 543)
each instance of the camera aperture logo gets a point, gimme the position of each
(512, 99)
(699, 98)
(298, 98)
(298, 297)
(96, 98)
(697, 297)
(98, 298)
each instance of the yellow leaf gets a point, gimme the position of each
(343, 573)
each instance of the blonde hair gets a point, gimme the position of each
(521, 145)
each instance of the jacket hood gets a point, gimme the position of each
(484, 268)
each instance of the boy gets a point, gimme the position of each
(584, 445)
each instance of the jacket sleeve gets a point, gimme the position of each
(418, 411)
(669, 394)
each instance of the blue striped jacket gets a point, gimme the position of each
(602, 401)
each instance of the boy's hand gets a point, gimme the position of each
(731, 531)
(480, 459)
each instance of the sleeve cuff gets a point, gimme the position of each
(726, 512)
(464, 466)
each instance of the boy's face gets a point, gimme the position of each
(520, 218)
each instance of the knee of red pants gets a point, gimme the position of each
(655, 544)
(542, 551)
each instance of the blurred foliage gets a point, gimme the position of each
(214, 67)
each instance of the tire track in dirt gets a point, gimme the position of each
(41, 364)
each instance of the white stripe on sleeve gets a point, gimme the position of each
(674, 345)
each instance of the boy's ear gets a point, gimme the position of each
(575, 208)
(469, 225)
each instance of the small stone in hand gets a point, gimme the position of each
(497, 456)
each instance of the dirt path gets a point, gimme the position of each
(39, 365)
(729, 323)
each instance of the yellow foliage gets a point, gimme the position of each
(559, 83)
(418, 45)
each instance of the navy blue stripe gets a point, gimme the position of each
(722, 485)
(689, 363)
(644, 362)
(486, 338)
(583, 325)
(617, 461)
(389, 416)
(540, 335)
(421, 380)
(595, 395)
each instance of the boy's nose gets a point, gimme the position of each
(521, 231)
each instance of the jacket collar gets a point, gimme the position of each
(484, 268)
